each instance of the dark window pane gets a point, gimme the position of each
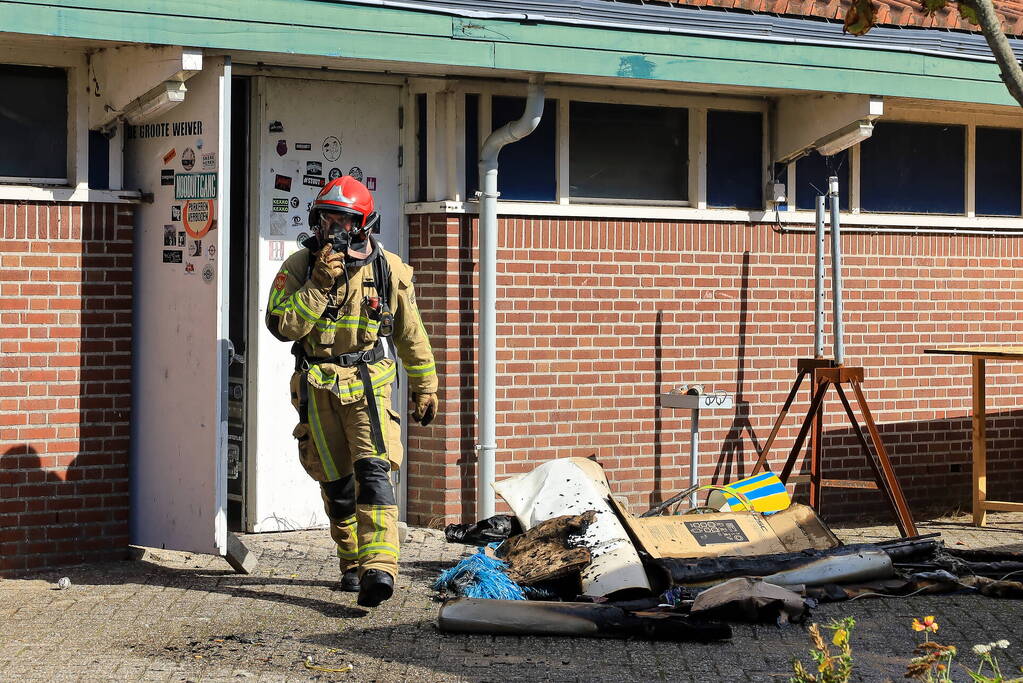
(526, 169)
(735, 159)
(812, 173)
(913, 168)
(998, 172)
(421, 150)
(628, 152)
(472, 145)
(33, 122)
(99, 161)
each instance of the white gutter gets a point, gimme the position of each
(487, 354)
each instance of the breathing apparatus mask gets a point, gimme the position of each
(341, 239)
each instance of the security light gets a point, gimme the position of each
(155, 102)
(846, 137)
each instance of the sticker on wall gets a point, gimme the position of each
(277, 225)
(212, 251)
(302, 237)
(170, 239)
(176, 212)
(195, 186)
(189, 268)
(164, 130)
(356, 173)
(198, 219)
(181, 238)
(276, 250)
(335, 173)
(296, 220)
(169, 156)
(331, 148)
(282, 147)
(196, 248)
(167, 176)
(276, 127)
(172, 256)
(312, 180)
(209, 161)
(283, 183)
(188, 159)
(314, 168)
(303, 146)
(294, 202)
(280, 205)
(208, 273)
(371, 183)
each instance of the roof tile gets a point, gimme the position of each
(888, 12)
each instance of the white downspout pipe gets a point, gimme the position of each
(487, 353)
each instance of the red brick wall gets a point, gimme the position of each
(65, 383)
(596, 318)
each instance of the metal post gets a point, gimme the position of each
(818, 273)
(694, 454)
(836, 271)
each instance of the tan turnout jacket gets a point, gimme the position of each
(296, 312)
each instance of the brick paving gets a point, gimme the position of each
(172, 616)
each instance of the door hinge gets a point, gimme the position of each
(401, 117)
(401, 155)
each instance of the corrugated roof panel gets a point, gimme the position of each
(724, 20)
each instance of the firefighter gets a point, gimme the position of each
(350, 309)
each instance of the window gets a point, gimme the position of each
(472, 144)
(421, 149)
(914, 168)
(527, 171)
(735, 159)
(628, 152)
(997, 176)
(812, 173)
(33, 125)
(99, 161)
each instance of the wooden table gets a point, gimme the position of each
(980, 355)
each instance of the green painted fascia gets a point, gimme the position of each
(337, 30)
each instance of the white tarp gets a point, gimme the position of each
(571, 486)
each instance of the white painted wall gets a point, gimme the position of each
(178, 468)
(364, 119)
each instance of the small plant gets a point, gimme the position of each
(831, 668)
(933, 661)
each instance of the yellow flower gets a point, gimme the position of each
(928, 624)
(841, 637)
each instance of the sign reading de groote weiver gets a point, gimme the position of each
(195, 186)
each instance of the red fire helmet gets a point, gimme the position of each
(345, 195)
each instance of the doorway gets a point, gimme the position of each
(239, 308)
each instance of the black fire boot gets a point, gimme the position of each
(376, 586)
(349, 582)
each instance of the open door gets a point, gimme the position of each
(304, 134)
(181, 350)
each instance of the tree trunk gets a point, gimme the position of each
(1012, 74)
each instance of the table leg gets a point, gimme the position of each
(979, 443)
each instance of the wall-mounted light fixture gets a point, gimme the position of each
(163, 97)
(844, 138)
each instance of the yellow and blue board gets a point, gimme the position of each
(765, 492)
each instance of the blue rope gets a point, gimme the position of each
(479, 576)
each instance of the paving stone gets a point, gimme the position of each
(170, 616)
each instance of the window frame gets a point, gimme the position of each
(446, 110)
(75, 186)
(902, 113)
(76, 164)
(450, 172)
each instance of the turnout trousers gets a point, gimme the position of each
(336, 449)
